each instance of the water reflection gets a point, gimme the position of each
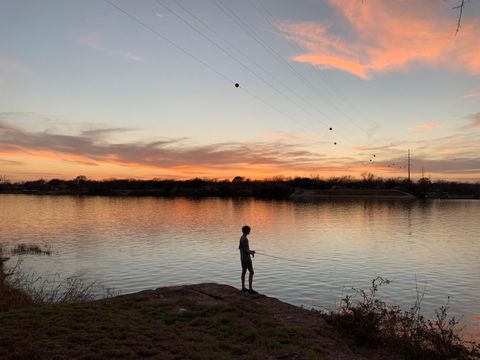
(137, 243)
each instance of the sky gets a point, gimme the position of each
(147, 89)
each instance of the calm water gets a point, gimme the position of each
(133, 244)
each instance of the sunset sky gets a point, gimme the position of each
(146, 88)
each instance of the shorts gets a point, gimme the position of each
(247, 264)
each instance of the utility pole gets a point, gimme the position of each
(408, 164)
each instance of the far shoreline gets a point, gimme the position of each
(314, 188)
(302, 195)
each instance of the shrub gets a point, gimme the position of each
(371, 321)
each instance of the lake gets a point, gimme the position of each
(313, 253)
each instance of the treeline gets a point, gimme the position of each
(274, 188)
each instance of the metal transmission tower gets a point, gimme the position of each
(408, 164)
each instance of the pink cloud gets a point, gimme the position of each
(475, 121)
(387, 36)
(429, 126)
(93, 41)
(473, 95)
(10, 65)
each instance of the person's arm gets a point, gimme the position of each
(251, 252)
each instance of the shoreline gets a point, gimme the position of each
(276, 188)
(299, 195)
(352, 194)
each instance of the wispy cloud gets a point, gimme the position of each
(86, 148)
(386, 36)
(473, 122)
(10, 65)
(93, 41)
(372, 148)
(99, 133)
(293, 135)
(454, 155)
(476, 121)
(474, 94)
(429, 126)
(10, 162)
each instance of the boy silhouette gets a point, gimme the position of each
(246, 260)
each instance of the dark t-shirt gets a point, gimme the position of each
(244, 249)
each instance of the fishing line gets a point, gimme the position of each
(278, 257)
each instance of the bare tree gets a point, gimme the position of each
(460, 8)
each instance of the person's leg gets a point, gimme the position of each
(244, 270)
(250, 277)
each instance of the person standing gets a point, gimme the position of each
(246, 259)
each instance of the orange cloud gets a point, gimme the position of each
(370, 148)
(33, 154)
(425, 126)
(387, 36)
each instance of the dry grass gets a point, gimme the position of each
(52, 289)
(19, 288)
(30, 249)
(10, 297)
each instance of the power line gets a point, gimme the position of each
(330, 86)
(163, 37)
(228, 12)
(228, 54)
(211, 68)
(245, 55)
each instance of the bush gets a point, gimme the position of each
(373, 322)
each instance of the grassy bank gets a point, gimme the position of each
(205, 321)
